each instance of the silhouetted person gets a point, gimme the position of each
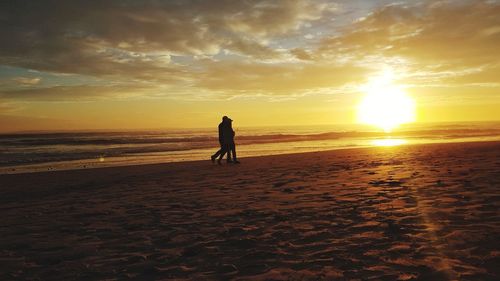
(231, 146)
(223, 141)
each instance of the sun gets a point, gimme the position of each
(385, 104)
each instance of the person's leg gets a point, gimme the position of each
(228, 148)
(223, 152)
(213, 157)
(233, 149)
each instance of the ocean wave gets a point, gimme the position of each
(17, 149)
(81, 139)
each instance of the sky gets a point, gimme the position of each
(83, 65)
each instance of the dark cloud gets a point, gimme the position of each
(106, 37)
(72, 93)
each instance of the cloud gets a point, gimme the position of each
(19, 82)
(301, 54)
(277, 78)
(108, 37)
(15, 124)
(451, 35)
(7, 107)
(136, 42)
(73, 93)
(27, 80)
(221, 49)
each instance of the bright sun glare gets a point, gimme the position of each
(385, 104)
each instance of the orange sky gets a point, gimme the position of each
(181, 64)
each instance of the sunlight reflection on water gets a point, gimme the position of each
(389, 142)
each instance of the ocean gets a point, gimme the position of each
(31, 152)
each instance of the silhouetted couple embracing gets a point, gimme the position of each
(226, 140)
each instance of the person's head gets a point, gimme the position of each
(226, 119)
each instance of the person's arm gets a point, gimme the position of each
(221, 134)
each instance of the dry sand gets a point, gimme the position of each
(423, 212)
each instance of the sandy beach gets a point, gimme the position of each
(420, 212)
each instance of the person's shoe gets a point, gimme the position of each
(212, 158)
(219, 162)
(229, 161)
(236, 162)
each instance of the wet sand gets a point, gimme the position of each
(422, 212)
